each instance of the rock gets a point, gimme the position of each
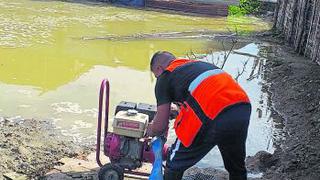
(55, 174)
(71, 168)
(92, 157)
(261, 161)
(195, 173)
(82, 164)
(15, 176)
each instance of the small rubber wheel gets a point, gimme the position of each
(110, 172)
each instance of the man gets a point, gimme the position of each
(214, 110)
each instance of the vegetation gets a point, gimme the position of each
(245, 7)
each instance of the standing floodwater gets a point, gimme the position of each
(53, 56)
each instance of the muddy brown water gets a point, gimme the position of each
(53, 56)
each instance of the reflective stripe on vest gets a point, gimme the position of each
(209, 93)
(194, 84)
(224, 92)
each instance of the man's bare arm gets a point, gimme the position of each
(160, 121)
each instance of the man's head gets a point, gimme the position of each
(160, 61)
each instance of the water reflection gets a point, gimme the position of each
(246, 65)
(47, 70)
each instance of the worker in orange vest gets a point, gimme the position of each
(214, 110)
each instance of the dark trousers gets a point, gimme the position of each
(228, 131)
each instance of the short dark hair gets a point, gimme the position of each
(157, 55)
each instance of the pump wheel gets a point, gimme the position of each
(110, 172)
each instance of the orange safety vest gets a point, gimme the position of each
(210, 93)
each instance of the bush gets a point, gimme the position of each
(236, 11)
(245, 7)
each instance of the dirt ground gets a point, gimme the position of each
(294, 86)
(29, 148)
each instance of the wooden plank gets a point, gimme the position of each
(281, 14)
(301, 25)
(316, 41)
(311, 27)
(299, 21)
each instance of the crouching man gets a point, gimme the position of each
(214, 110)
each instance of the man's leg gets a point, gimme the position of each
(181, 158)
(233, 153)
(172, 175)
(231, 127)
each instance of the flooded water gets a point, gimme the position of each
(53, 56)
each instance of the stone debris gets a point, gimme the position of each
(15, 176)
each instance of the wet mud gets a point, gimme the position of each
(30, 148)
(294, 86)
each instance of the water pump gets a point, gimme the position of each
(125, 143)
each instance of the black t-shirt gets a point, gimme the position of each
(173, 86)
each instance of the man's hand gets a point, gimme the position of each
(149, 130)
(160, 122)
(174, 111)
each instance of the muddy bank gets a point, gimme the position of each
(30, 148)
(294, 84)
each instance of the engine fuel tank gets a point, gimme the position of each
(130, 123)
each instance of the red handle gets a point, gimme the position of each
(104, 87)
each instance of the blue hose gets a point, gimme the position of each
(157, 146)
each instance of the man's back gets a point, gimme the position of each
(177, 82)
